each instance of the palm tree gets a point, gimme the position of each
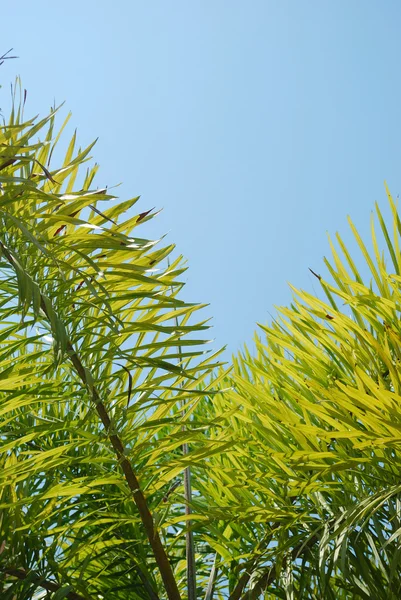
(101, 365)
(313, 476)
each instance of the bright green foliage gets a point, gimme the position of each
(108, 407)
(96, 349)
(314, 475)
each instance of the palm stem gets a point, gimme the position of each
(189, 538)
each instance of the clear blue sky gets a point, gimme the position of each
(257, 126)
